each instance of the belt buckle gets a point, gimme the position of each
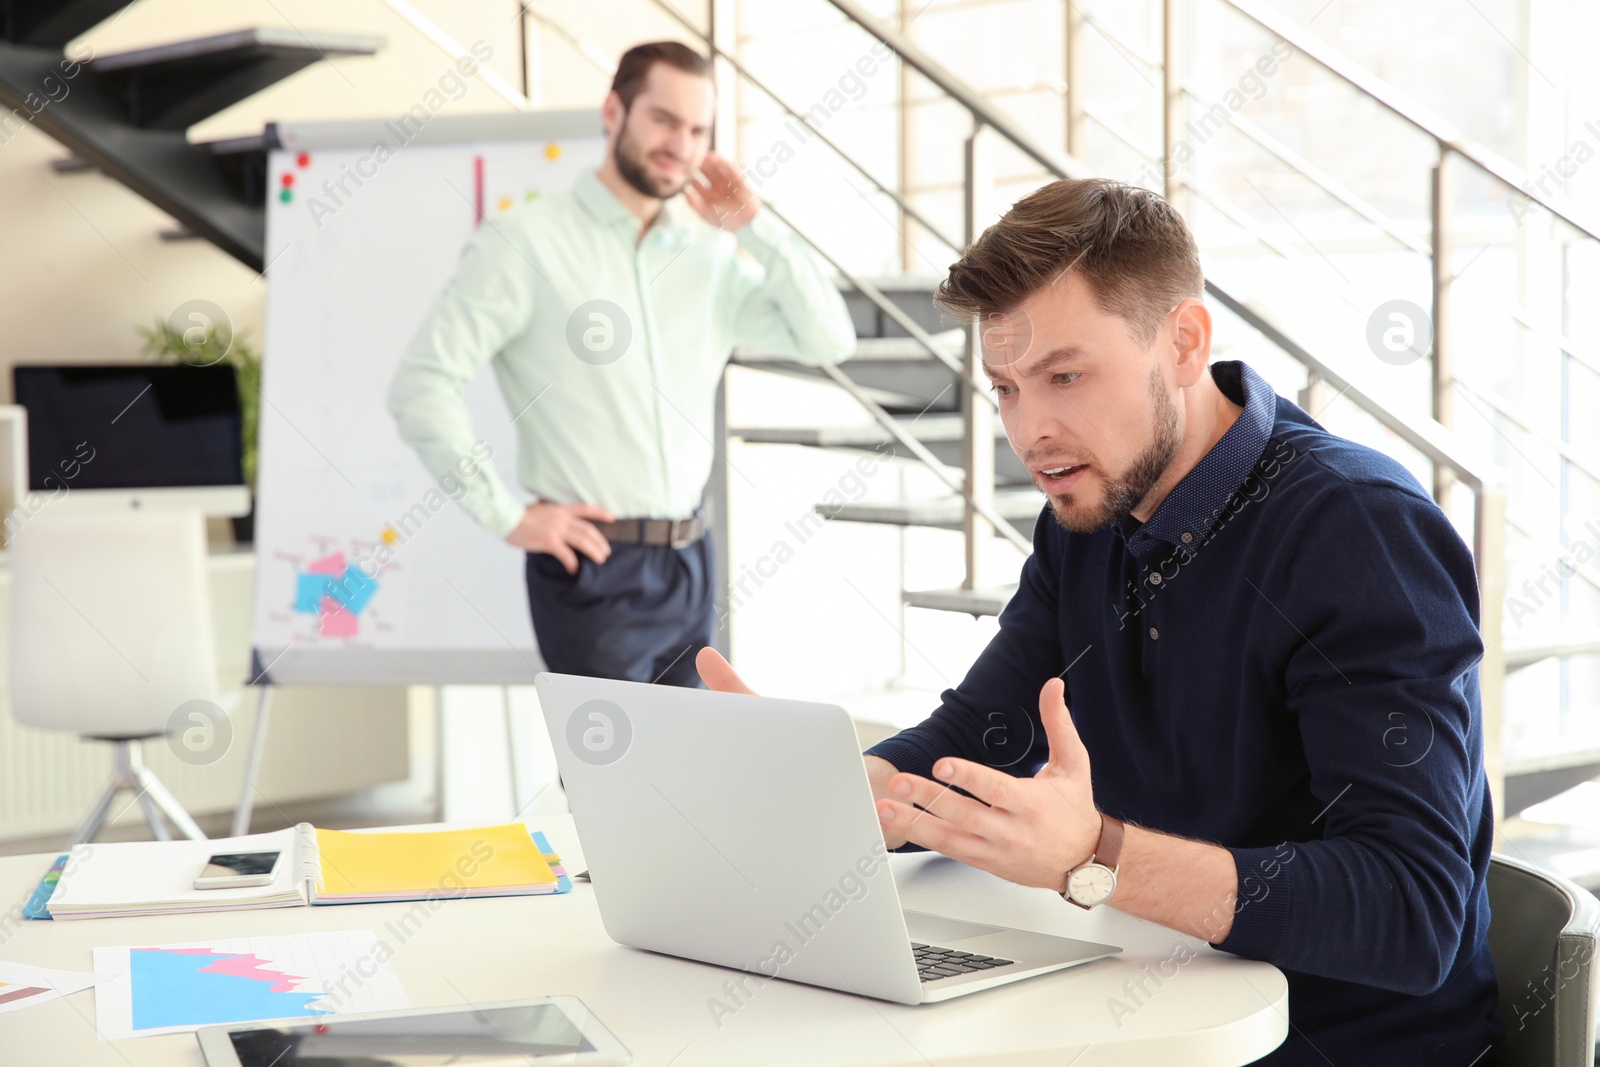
(677, 540)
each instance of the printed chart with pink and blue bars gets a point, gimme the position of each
(163, 989)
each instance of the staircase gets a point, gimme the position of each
(126, 114)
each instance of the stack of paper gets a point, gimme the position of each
(157, 877)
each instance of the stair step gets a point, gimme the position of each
(911, 294)
(1526, 653)
(941, 432)
(984, 601)
(173, 86)
(886, 349)
(52, 23)
(896, 372)
(1529, 780)
(1019, 506)
(941, 427)
(242, 161)
(218, 191)
(71, 165)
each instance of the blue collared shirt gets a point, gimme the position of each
(1282, 660)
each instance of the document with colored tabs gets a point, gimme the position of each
(318, 867)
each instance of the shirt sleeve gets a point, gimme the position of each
(783, 299)
(490, 300)
(1382, 681)
(992, 716)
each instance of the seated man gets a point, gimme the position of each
(1267, 636)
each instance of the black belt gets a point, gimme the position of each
(679, 533)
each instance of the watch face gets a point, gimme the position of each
(1092, 883)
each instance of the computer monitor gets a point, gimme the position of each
(145, 434)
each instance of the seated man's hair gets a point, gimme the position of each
(1132, 248)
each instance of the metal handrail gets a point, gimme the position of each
(887, 421)
(1522, 422)
(1553, 550)
(1589, 361)
(1314, 174)
(1057, 163)
(929, 460)
(1293, 160)
(1386, 96)
(1432, 439)
(721, 53)
(1219, 203)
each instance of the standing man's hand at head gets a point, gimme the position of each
(560, 529)
(720, 195)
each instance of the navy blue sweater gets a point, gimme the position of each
(1284, 661)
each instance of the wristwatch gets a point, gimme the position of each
(1091, 883)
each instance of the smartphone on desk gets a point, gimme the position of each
(526, 1033)
(236, 870)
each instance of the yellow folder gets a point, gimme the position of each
(481, 861)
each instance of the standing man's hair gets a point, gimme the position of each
(634, 66)
(1129, 244)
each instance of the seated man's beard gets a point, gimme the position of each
(1124, 494)
(630, 164)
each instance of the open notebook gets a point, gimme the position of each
(318, 867)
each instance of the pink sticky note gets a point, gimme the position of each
(335, 620)
(330, 564)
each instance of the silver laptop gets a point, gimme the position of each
(740, 830)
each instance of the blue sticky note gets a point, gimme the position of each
(309, 590)
(352, 589)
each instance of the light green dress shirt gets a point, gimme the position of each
(608, 348)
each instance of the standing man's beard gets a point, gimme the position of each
(631, 166)
(1123, 494)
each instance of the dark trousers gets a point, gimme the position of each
(640, 616)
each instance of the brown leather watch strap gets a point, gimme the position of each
(1108, 852)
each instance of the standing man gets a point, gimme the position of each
(1268, 639)
(609, 312)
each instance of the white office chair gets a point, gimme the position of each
(110, 634)
(1543, 933)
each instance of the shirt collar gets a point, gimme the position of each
(602, 204)
(1187, 514)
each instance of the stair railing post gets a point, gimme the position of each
(977, 417)
(1073, 60)
(1171, 105)
(1489, 552)
(1441, 199)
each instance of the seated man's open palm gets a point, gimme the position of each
(1027, 830)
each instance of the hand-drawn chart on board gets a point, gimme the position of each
(367, 572)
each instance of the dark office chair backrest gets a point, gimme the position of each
(1543, 931)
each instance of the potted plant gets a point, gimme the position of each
(205, 347)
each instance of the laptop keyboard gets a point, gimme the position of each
(934, 963)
